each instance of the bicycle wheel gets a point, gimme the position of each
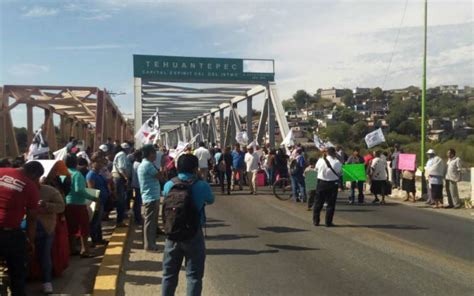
(282, 189)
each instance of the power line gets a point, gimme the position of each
(395, 44)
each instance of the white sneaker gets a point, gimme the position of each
(48, 288)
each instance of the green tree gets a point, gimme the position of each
(303, 99)
(409, 127)
(358, 131)
(377, 93)
(348, 98)
(346, 115)
(338, 133)
(289, 104)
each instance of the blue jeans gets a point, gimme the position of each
(44, 244)
(121, 193)
(194, 253)
(298, 187)
(137, 206)
(96, 224)
(270, 175)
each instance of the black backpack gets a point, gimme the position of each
(295, 168)
(179, 214)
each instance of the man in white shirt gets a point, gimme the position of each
(453, 176)
(252, 160)
(203, 156)
(329, 169)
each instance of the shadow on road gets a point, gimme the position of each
(144, 265)
(281, 229)
(292, 248)
(386, 226)
(238, 252)
(226, 237)
(354, 210)
(215, 225)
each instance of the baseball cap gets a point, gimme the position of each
(104, 148)
(430, 151)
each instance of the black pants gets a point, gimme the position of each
(228, 176)
(311, 198)
(13, 251)
(326, 191)
(360, 186)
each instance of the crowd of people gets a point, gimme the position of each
(53, 209)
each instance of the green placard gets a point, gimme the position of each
(311, 180)
(353, 172)
(192, 69)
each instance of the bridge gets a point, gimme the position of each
(86, 113)
(192, 95)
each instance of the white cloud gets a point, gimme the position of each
(245, 17)
(38, 11)
(92, 47)
(28, 70)
(99, 16)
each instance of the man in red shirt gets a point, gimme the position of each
(19, 195)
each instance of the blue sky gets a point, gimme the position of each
(314, 43)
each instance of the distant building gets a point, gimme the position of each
(449, 89)
(291, 114)
(360, 93)
(333, 94)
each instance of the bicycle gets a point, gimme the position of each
(282, 189)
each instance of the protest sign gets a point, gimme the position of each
(374, 138)
(407, 161)
(311, 180)
(353, 172)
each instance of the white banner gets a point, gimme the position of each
(374, 138)
(150, 130)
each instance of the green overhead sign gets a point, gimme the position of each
(191, 69)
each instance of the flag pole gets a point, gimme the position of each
(423, 96)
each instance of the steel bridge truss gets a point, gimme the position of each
(187, 110)
(87, 113)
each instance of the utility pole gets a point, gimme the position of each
(423, 103)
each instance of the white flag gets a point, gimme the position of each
(289, 139)
(38, 146)
(60, 154)
(374, 138)
(242, 138)
(194, 139)
(150, 130)
(318, 142)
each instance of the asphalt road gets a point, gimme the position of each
(258, 245)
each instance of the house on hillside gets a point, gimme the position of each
(449, 89)
(333, 94)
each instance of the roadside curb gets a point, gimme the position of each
(111, 265)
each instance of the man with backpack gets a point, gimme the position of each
(297, 167)
(183, 217)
